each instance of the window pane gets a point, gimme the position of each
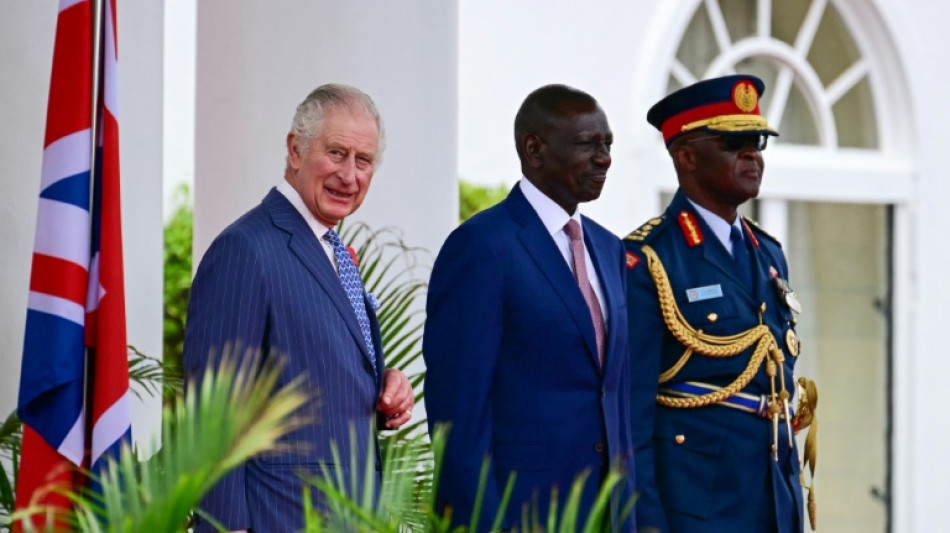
(698, 48)
(839, 266)
(740, 18)
(833, 49)
(787, 18)
(855, 118)
(798, 123)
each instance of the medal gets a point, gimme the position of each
(786, 294)
(791, 340)
(793, 302)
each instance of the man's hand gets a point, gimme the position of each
(396, 400)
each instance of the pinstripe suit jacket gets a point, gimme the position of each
(266, 284)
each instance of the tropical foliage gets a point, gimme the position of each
(473, 198)
(177, 276)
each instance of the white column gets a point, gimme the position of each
(257, 61)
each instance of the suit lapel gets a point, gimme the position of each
(549, 261)
(308, 250)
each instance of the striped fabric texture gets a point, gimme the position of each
(76, 299)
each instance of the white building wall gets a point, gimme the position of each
(257, 62)
(448, 78)
(616, 50)
(26, 53)
(508, 49)
(922, 364)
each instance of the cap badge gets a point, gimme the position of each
(745, 97)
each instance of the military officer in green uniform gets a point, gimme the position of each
(712, 331)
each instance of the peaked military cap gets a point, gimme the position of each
(729, 104)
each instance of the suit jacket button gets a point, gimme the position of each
(599, 447)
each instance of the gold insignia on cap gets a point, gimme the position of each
(680, 439)
(745, 97)
(791, 340)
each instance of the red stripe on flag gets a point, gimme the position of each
(58, 277)
(69, 110)
(70, 90)
(42, 472)
(111, 368)
(110, 379)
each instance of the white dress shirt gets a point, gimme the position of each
(554, 218)
(719, 226)
(316, 226)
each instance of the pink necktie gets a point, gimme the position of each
(573, 230)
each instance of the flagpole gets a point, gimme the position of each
(88, 386)
(96, 84)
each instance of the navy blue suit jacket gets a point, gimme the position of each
(708, 469)
(511, 364)
(266, 284)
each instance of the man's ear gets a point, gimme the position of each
(533, 150)
(684, 158)
(293, 152)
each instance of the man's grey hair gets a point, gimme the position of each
(308, 120)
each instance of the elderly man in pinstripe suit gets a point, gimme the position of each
(279, 280)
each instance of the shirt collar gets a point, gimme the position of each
(553, 216)
(318, 228)
(719, 226)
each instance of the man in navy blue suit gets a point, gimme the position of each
(712, 329)
(279, 281)
(525, 340)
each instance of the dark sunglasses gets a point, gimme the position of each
(733, 142)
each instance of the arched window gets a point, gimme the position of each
(836, 191)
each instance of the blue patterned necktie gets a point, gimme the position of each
(740, 252)
(353, 287)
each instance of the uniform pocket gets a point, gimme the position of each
(687, 462)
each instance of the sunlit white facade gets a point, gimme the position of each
(856, 185)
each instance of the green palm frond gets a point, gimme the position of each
(396, 274)
(11, 436)
(209, 437)
(406, 500)
(152, 376)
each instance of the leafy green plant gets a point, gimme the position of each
(177, 276)
(211, 437)
(406, 504)
(473, 198)
(11, 435)
(145, 373)
(396, 274)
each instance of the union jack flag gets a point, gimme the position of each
(75, 328)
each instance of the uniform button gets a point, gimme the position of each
(680, 439)
(599, 447)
